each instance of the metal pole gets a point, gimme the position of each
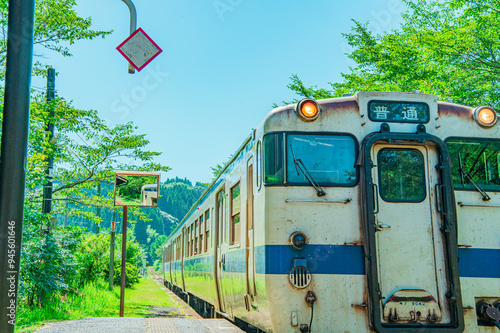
(47, 189)
(112, 253)
(98, 209)
(13, 153)
(124, 257)
(133, 26)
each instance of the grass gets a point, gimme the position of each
(95, 300)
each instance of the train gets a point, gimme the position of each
(149, 195)
(373, 212)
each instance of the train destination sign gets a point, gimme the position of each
(134, 188)
(139, 49)
(389, 111)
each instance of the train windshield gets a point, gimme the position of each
(330, 159)
(480, 163)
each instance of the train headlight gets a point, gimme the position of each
(485, 116)
(308, 109)
(298, 240)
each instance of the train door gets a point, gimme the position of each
(170, 260)
(413, 277)
(250, 263)
(182, 249)
(219, 256)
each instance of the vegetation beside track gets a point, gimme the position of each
(95, 300)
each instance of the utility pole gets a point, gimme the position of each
(16, 113)
(112, 252)
(133, 26)
(47, 189)
(124, 261)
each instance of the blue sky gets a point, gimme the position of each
(224, 63)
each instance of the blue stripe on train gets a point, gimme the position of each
(483, 263)
(321, 259)
(338, 259)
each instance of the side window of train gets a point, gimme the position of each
(192, 240)
(187, 242)
(177, 254)
(207, 230)
(235, 225)
(213, 222)
(258, 170)
(196, 227)
(273, 158)
(201, 230)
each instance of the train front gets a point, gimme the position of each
(361, 218)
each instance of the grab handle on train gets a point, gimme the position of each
(375, 198)
(438, 193)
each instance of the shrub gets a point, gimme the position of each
(47, 268)
(131, 274)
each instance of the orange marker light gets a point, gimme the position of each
(485, 116)
(307, 110)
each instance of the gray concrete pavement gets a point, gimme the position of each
(164, 320)
(141, 325)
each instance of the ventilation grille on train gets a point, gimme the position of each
(300, 277)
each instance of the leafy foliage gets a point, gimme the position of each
(216, 170)
(87, 153)
(93, 258)
(156, 249)
(57, 26)
(131, 274)
(66, 260)
(47, 267)
(177, 198)
(448, 48)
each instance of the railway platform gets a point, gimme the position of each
(141, 325)
(183, 319)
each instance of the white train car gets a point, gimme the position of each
(149, 195)
(377, 212)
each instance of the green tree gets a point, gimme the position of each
(448, 48)
(177, 198)
(57, 26)
(140, 232)
(156, 248)
(47, 266)
(87, 152)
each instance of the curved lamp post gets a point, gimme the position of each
(133, 26)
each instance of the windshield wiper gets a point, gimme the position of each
(300, 165)
(465, 174)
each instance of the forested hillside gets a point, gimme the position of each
(151, 225)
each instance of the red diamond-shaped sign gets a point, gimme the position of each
(139, 49)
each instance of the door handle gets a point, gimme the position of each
(382, 226)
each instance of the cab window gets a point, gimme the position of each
(329, 159)
(475, 161)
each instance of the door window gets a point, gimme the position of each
(401, 175)
(235, 227)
